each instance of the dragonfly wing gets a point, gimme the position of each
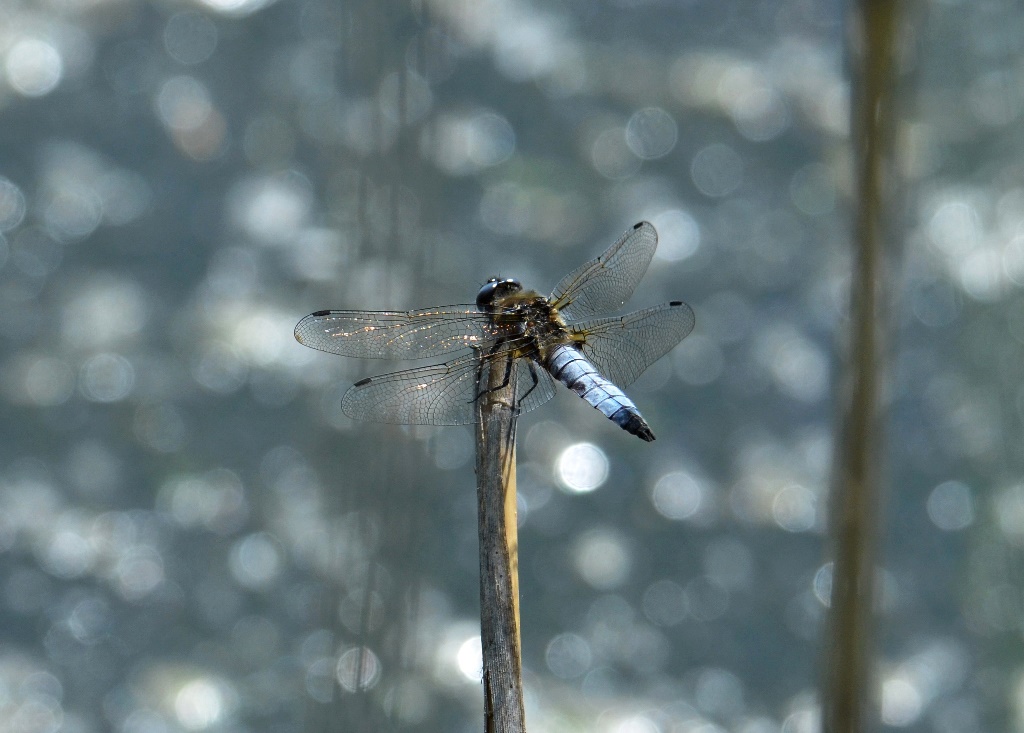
(443, 394)
(396, 334)
(605, 283)
(623, 347)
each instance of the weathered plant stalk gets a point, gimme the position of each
(499, 559)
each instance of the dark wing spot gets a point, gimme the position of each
(320, 314)
(638, 225)
(676, 302)
(363, 382)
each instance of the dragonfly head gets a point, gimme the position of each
(495, 290)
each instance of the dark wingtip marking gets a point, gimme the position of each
(638, 224)
(320, 314)
(363, 382)
(676, 302)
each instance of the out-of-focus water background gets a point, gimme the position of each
(194, 538)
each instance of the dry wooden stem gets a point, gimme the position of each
(499, 560)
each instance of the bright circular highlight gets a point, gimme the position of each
(582, 467)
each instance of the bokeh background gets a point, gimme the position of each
(194, 538)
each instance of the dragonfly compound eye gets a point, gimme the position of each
(495, 290)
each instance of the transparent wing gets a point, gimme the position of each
(604, 284)
(623, 347)
(440, 395)
(396, 334)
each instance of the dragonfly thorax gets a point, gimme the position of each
(496, 290)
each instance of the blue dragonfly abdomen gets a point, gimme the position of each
(569, 366)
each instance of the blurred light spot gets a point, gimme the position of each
(677, 495)
(719, 692)
(34, 67)
(705, 599)
(568, 656)
(73, 213)
(218, 368)
(798, 365)
(664, 603)
(184, 103)
(469, 659)
(356, 122)
(611, 156)
(236, 8)
(320, 677)
(160, 427)
(12, 206)
(34, 252)
(358, 669)
(822, 584)
(699, 361)
(125, 196)
(525, 43)
(452, 448)
(795, 508)
(104, 311)
(717, 170)
(637, 723)
(202, 703)
(42, 381)
(651, 133)
(90, 620)
(1012, 257)
(806, 719)
(759, 113)
(758, 725)
(1009, 513)
(68, 552)
(950, 506)
(256, 560)
(34, 712)
(678, 235)
(190, 38)
(581, 468)
(139, 571)
(260, 338)
(981, 274)
(955, 227)
(106, 377)
(812, 190)
(186, 109)
(466, 144)
(602, 559)
(272, 208)
(901, 702)
(362, 610)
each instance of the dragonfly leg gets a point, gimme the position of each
(534, 377)
(483, 364)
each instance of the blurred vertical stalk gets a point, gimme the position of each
(848, 680)
(499, 559)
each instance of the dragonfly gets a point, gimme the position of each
(561, 337)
